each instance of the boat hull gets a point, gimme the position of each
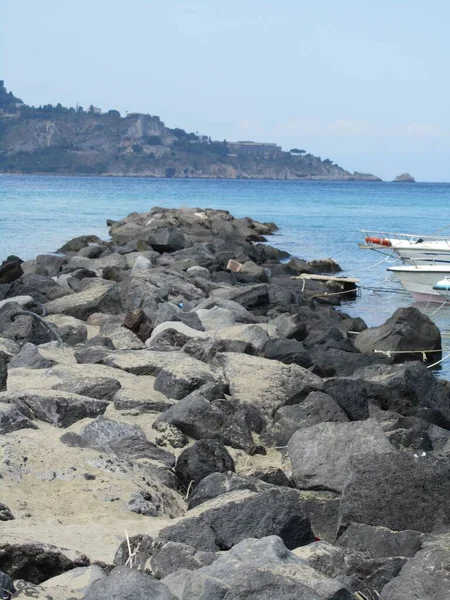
(419, 282)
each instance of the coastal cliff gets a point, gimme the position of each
(71, 141)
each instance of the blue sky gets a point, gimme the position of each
(363, 82)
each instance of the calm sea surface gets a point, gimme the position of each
(316, 220)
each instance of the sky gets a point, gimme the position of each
(365, 83)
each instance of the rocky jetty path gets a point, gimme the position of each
(183, 417)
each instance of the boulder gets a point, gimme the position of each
(199, 418)
(3, 370)
(407, 330)
(169, 557)
(288, 352)
(217, 483)
(128, 584)
(98, 297)
(397, 491)
(241, 314)
(381, 542)
(22, 328)
(75, 244)
(169, 312)
(121, 337)
(42, 289)
(257, 568)
(201, 459)
(316, 408)
(248, 296)
(11, 419)
(34, 561)
(216, 318)
(6, 586)
(320, 455)
(61, 409)
(122, 439)
(10, 269)
(5, 514)
(73, 583)
(30, 357)
(135, 552)
(221, 523)
(425, 576)
(265, 384)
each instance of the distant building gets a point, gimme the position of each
(255, 149)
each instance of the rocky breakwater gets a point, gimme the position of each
(182, 417)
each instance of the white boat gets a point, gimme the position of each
(420, 280)
(442, 287)
(414, 248)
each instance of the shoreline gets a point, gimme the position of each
(206, 398)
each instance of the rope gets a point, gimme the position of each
(424, 353)
(28, 313)
(439, 361)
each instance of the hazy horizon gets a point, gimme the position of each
(366, 86)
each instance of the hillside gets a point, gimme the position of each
(59, 140)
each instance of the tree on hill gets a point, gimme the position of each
(297, 151)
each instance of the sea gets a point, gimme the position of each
(315, 219)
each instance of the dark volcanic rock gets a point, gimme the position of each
(288, 352)
(320, 455)
(10, 269)
(42, 289)
(11, 419)
(407, 330)
(380, 542)
(3, 371)
(263, 569)
(34, 561)
(30, 358)
(22, 328)
(217, 484)
(224, 522)
(7, 588)
(126, 441)
(316, 408)
(128, 584)
(397, 491)
(426, 576)
(57, 408)
(141, 547)
(201, 459)
(5, 514)
(200, 419)
(169, 557)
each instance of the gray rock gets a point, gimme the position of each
(179, 382)
(128, 584)
(169, 434)
(169, 557)
(73, 335)
(218, 483)
(288, 352)
(381, 542)
(201, 459)
(260, 569)
(216, 317)
(198, 418)
(397, 491)
(34, 561)
(3, 370)
(121, 337)
(5, 514)
(354, 395)
(322, 509)
(168, 239)
(141, 547)
(98, 297)
(42, 289)
(171, 312)
(225, 521)
(73, 583)
(316, 408)
(142, 503)
(241, 314)
(61, 409)
(30, 357)
(22, 328)
(7, 588)
(425, 576)
(91, 354)
(407, 329)
(320, 455)
(121, 439)
(265, 384)
(91, 251)
(197, 271)
(11, 419)
(101, 388)
(249, 296)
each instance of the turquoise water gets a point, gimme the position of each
(316, 219)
